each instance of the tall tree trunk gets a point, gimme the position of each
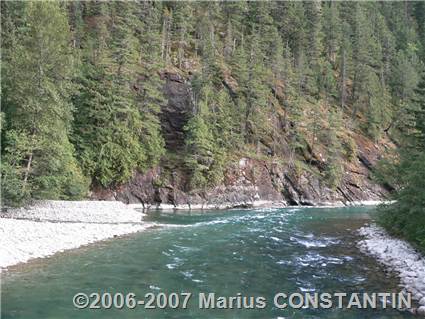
(181, 46)
(343, 79)
(27, 170)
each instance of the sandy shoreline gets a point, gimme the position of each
(398, 256)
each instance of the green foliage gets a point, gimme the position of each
(334, 168)
(83, 86)
(227, 135)
(204, 160)
(107, 130)
(117, 128)
(327, 81)
(204, 148)
(386, 171)
(349, 148)
(406, 217)
(13, 191)
(256, 93)
(377, 103)
(38, 159)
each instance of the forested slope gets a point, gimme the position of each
(151, 101)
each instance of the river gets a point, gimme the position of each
(252, 252)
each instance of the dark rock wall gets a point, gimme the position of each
(247, 181)
(175, 114)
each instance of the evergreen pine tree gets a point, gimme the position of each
(406, 217)
(204, 157)
(108, 126)
(334, 167)
(39, 159)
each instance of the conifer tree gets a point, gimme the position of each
(203, 153)
(334, 168)
(344, 63)
(256, 93)
(331, 30)
(38, 158)
(149, 85)
(182, 29)
(406, 217)
(239, 65)
(260, 75)
(108, 125)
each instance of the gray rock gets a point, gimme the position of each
(421, 311)
(422, 301)
(413, 311)
(410, 274)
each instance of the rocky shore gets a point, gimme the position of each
(397, 255)
(52, 226)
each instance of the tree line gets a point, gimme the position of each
(82, 89)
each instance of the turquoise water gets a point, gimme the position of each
(251, 252)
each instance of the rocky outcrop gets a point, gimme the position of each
(248, 181)
(175, 114)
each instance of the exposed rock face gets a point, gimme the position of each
(175, 114)
(357, 183)
(251, 180)
(247, 180)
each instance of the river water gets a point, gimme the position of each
(252, 252)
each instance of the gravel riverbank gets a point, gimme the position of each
(48, 227)
(400, 257)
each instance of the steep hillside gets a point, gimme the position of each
(249, 179)
(205, 102)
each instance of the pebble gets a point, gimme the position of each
(398, 256)
(421, 311)
(413, 311)
(24, 239)
(76, 211)
(410, 274)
